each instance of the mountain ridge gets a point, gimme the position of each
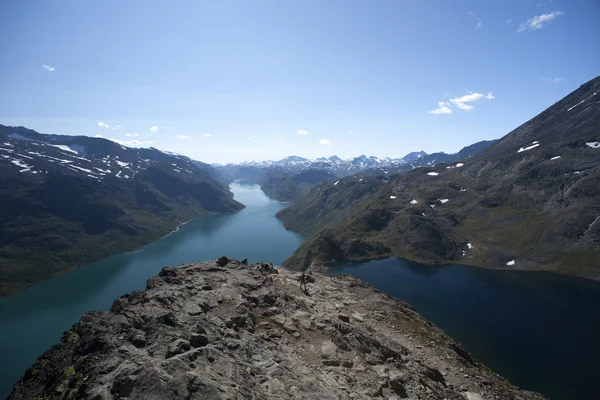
(71, 200)
(350, 166)
(529, 201)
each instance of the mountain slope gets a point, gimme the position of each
(70, 200)
(292, 187)
(532, 200)
(225, 330)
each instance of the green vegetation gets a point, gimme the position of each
(55, 225)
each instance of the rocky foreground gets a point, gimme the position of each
(226, 330)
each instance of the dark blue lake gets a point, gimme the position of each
(539, 330)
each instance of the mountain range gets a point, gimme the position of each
(340, 168)
(529, 201)
(291, 178)
(70, 200)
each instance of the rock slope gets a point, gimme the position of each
(226, 330)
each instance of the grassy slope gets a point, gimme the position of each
(48, 231)
(516, 205)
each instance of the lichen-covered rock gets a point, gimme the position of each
(258, 336)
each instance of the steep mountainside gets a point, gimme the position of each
(532, 200)
(292, 187)
(69, 200)
(258, 171)
(225, 330)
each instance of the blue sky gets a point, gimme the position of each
(250, 80)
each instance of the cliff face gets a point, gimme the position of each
(227, 330)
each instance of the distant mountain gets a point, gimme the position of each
(531, 200)
(69, 200)
(257, 171)
(292, 187)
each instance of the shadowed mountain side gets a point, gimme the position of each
(529, 201)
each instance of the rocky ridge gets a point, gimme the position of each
(227, 330)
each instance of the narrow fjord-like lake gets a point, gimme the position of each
(539, 330)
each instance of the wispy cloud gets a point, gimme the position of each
(479, 24)
(551, 80)
(324, 141)
(444, 109)
(463, 101)
(207, 135)
(154, 129)
(508, 21)
(254, 137)
(48, 68)
(182, 137)
(471, 13)
(118, 127)
(539, 21)
(351, 133)
(132, 134)
(103, 125)
(302, 132)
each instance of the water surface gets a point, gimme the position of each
(33, 319)
(539, 330)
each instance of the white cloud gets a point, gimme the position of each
(350, 133)
(99, 136)
(461, 102)
(103, 125)
(206, 135)
(302, 132)
(444, 109)
(148, 134)
(471, 13)
(479, 24)
(551, 80)
(167, 128)
(154, 129)
(118, 127)
(539, 21)
(508, 21)
(254, 137)
(48, 68)
(324, 141)
(182, 137)
(132, 134)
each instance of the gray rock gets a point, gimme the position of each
(258, 337)
(198, 340)
(177, 347)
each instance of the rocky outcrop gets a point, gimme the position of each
(230, 330)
